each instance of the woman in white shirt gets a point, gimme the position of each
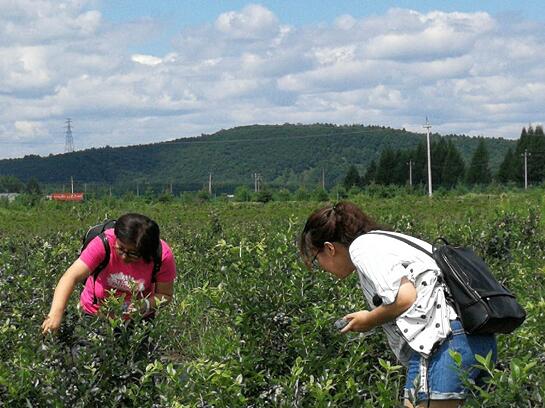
(405, 292)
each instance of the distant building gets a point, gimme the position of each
(8, 196)
(66, 196)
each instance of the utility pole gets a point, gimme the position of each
(257, 182)
(69, 139)
(410, 163)
(72, 184)
(210, 184)
(427, 126)
(525, 155)
(323, 179)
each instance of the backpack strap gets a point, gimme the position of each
(407, 241)
(157, 262)
(448, 295)
(102, 264)
(106, 259)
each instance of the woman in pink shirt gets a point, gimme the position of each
(135, 249)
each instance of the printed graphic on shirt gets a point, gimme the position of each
(125, 282)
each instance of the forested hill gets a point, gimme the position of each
(284, 155)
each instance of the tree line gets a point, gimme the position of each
(456, 161)
(448, 168)
(286, 156)
(11, 184)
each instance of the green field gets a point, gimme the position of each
(249, 326)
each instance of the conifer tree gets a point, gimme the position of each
(532, 141)
(506, 171)
(439, 151)
(453, 168)
(371, 173)
(536, 168)
(479, 169)
(386, 164)
(420, 169)
(352, 178)
(400, 172)
(518, 161)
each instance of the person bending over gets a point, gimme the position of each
(404, 290)
(135, 248)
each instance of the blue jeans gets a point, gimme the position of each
(438, 377)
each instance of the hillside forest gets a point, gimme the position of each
(287, 157)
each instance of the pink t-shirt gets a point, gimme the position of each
(119, 275)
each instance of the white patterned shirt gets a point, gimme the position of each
(381, 263)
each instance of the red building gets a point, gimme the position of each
(67, 196)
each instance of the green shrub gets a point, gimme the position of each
(249, 324)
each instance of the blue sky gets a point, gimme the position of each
(174, 15)
(129, 72)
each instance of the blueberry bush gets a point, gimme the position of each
(249, 325)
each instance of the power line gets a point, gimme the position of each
(175, 142)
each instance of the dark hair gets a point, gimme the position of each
(140, 231)
(342, 222)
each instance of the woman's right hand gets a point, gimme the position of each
(77, 272)
(358, 322)
(52, 323)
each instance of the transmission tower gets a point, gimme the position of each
(69, 139)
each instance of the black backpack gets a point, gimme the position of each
(483, 304)
(98, 231)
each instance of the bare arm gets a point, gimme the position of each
(365, 320)
(77, 272)
(163, 292)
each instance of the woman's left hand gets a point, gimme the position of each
(358, 322)
(366, 320)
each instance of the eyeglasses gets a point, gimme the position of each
(127, 253)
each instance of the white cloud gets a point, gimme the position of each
(334, 55)
(23, 68)
(252, 22)
(469, 72)
(146, 59)
(31, 22)
(27, 130)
